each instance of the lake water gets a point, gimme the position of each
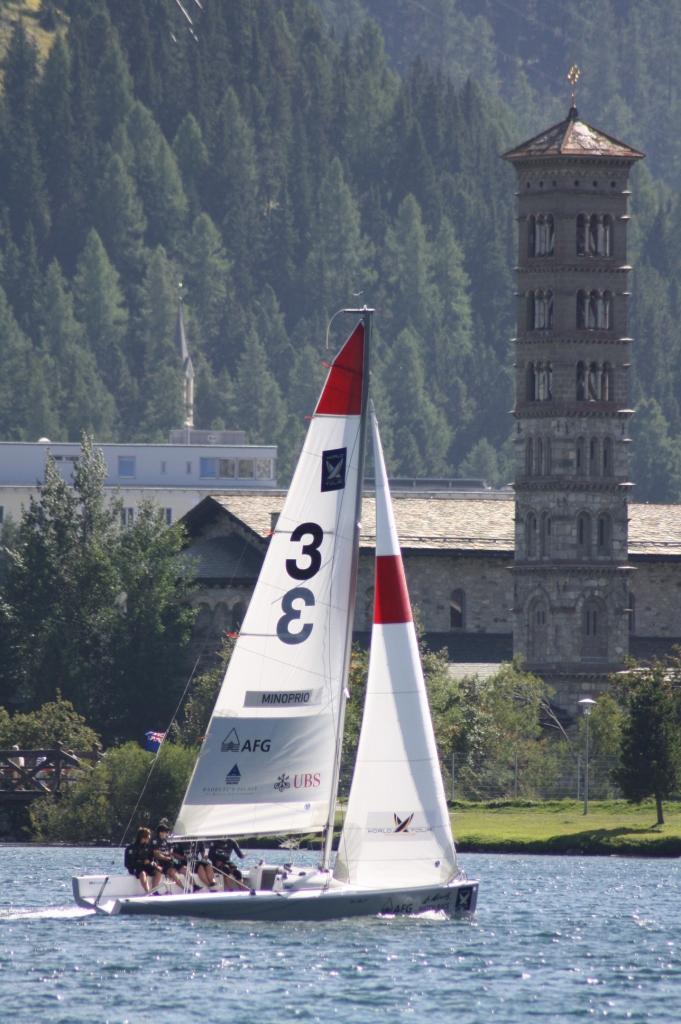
(554, 939)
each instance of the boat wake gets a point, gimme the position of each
(423, 915)
(43, 913)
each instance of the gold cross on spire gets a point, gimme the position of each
(573, 77)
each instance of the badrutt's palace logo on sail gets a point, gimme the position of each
(233, 777)
(333, 469)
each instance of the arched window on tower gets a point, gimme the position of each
(537, 629)
(594, 310)
(607, 456)
(545, 535)
(593, 382)
(540, 235)
(544, 381)
(530, 535)
(538, 457)
(531, 382)
(594, 629)
(540, 310)
(547, 456)
(529, 456)
(604, 535)
(594, 461)
(594, 234)
(457, 609)
(606, 383)
(583, 535)
(580, 457)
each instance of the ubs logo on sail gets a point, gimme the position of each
(333, 469)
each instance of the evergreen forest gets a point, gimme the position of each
(285, 158)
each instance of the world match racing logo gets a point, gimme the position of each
(402, 824)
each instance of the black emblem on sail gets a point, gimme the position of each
(333, 469)
(231, 742)
(233, 777)
(402, 824)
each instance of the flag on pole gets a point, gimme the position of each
(153, 740)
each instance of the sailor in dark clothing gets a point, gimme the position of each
(139, 859)
(164, 854)
(220, 855)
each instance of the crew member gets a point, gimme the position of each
(220, 855)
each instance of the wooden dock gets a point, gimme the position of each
(27, 774)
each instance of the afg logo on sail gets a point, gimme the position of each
(233, 745)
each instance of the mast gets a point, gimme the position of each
(366, 315)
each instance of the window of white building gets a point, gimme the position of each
(126, 465)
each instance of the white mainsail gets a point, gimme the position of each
(267, 761)
(397, 830)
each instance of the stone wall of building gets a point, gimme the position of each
(656, 588)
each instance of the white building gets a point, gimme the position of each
(175, 476)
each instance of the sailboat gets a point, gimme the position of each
(270, 760)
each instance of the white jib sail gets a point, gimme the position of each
(397, 830)
(266, 764)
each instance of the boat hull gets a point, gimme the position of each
(456, 900)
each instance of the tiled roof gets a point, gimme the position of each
(463, 522)
(572, 137)
(430, 521)
(228, 557)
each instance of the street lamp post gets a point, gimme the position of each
(587, 706)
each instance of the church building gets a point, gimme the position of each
(564, 570)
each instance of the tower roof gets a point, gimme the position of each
(572, 137)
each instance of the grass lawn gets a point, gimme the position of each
(560, 826)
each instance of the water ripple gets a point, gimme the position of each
(555, 940)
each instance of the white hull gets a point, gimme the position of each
(304, 904)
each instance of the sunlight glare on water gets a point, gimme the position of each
(555, 939)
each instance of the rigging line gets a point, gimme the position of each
(185, 12)
(160, 746)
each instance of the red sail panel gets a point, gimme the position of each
(391, 598)
(342, 394)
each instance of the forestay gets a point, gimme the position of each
(397, 830)
(266, 764)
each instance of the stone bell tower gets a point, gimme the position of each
(571, 593)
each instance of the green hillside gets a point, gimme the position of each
(284, 158)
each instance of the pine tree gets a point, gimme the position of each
(100, 308)
(191, 155)
(84, 403)
(210, 291)
(260, 408)
(233, 189)
(338, 264)
(120, 221)
(650, 749)
(157, 178)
